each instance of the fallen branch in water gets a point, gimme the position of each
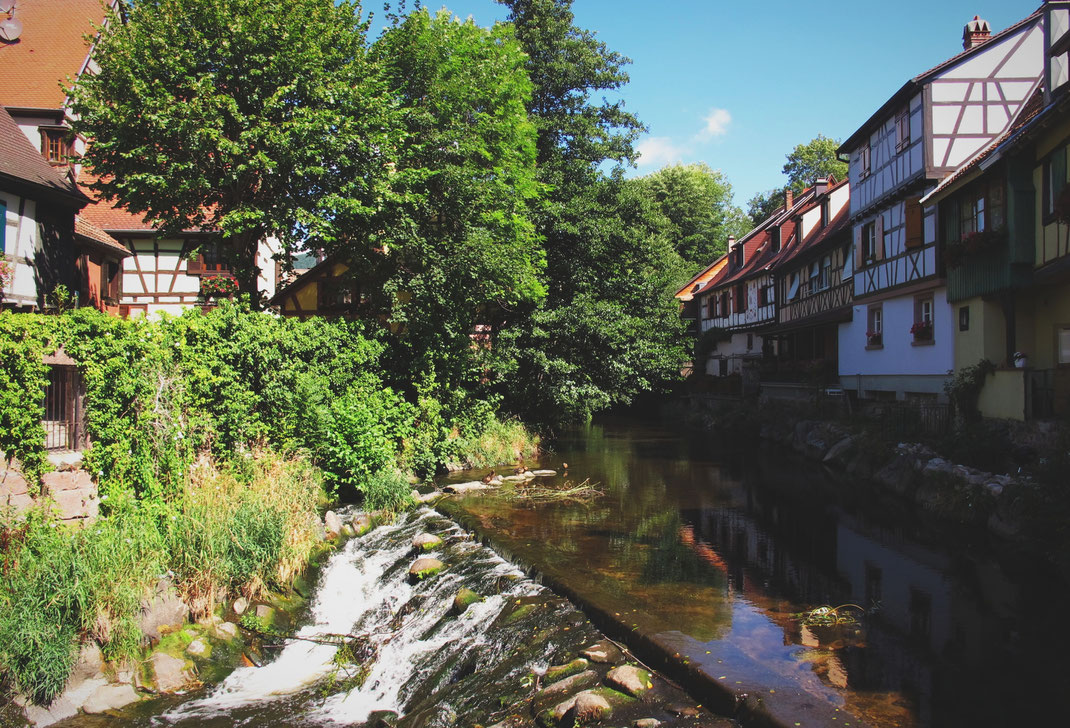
(533, 491)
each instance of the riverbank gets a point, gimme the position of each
(204, 450)
(951, 476)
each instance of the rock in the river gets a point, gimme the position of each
(198, 648)
(426, 542)
(466, 487)
(585, 707)
(629, 679)
(604, 652)
(265, 614)
(227, 630)
(543, 473)
(464, 599)
(332, 524)
(646, 723)
(240, 605)
(110, 697)
(169, 673)
(361, 523)
(558, 672)
(567, 685)
(424, 567)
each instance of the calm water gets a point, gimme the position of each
(719, 551)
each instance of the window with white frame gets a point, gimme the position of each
(869, 241)
(875, 325)
(864, 160)
(902, 130)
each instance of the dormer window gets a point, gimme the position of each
(774, 239)
(55, 144)
(737, 257)
(824, 213)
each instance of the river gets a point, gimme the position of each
(713, 556)
(720, 551)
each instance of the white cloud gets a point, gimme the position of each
(717, 122)
(658, 151)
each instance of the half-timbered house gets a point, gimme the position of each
(899, 342)
(1005, 230)
(814, 289)
(117, 262)
(737, 305)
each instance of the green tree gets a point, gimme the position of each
(806, 163)
(232, 116)
(697, 204)
(461, 248)
(813, 160)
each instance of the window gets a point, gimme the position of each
(875, 326)
(737, 257)
(922, 329)
(774, 237)
(864, 160)
(1062, 345)
(824, 212)
(793, 287)
(110, 280)
(1055, 179)
(869, 241)
(874, 593)
(826, 272)
(209, 260)
(337, 294)
(815, 277)
(741, 298)
(722, 309)
(902, 130)
(964, 318)
(55, 144)
(750, 341)
(765, 292)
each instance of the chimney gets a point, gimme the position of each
(821, 185)
(975, 33)
(789, 199)
(731, 241)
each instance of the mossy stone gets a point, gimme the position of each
(464, 599)
(558, 672)
(424, 567)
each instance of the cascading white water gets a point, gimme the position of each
(359, 591)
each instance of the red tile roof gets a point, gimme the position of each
(109, 215)
(20, 161)
(51, 48)
(85, 229)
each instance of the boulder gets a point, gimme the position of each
(198, 648)
(361, 523)
(265, 614)
(424, 567)
(558, 672)
(241, 604)
(227, 630)
(464, 599)
(90, 663)
(629, 679)
(165, 609)
(332, 524)
(604, 652)
(585, 707)
(567, 685)
(110, 697)
(426, 542)
(169, 673)
(543, 473)
(646, 723)
(466, 487)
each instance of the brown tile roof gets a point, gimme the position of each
(85, 229)
(109, 215)
(51, 48)
(19, 160)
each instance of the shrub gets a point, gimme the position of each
(387, 489)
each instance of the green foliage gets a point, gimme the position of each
(226, 115)
(813, 160)
(697, 204)
(387, 489)
(764, 204)
(23, 344)
(964, 388)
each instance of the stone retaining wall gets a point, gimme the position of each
(70, 489)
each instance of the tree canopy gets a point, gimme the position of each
(229, 116)
(696, 202)
(805, 163)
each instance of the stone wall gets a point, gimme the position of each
(68, 487)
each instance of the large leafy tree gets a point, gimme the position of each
(460, 249)
(242, 117)
(608, 328)
(807, 162)
(698, 208)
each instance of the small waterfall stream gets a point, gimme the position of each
(364, 590)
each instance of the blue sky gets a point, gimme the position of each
(738, 84)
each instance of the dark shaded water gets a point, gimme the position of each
(720, 551)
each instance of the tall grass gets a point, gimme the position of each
(229, 532)
(497, 441)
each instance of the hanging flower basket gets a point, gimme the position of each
(922, 331)
(218, 287)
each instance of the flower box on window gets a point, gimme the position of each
(922, 331)
(874, 338)
(218, 287)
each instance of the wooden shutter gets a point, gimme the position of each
(878, 231)
(914, 237)
(860, 253)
